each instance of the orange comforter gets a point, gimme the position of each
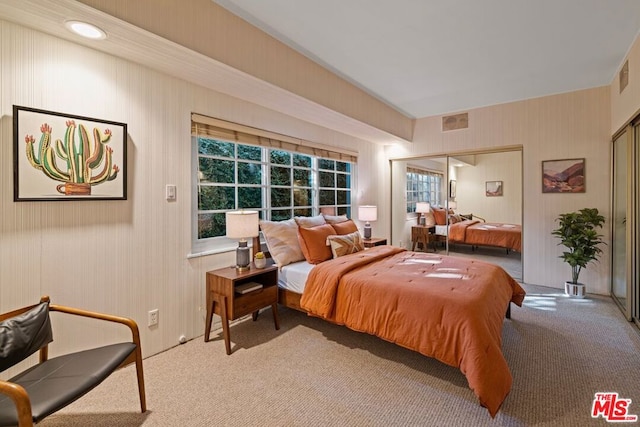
(474, 232)
(444, 307)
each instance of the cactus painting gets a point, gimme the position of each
(69, 157)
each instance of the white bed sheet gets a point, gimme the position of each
(442, 230)
(293, 277)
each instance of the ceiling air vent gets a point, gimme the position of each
(457, 121)
(624, 75)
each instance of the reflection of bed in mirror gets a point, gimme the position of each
(476, 232)
(448, 308)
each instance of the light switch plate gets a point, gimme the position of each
(171, 192)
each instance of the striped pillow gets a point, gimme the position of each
(345, 244)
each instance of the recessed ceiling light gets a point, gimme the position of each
(84, 29)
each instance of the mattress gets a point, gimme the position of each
(293, 277)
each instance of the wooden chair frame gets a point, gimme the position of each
(20, 396)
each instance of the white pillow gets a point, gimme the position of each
(429, 219)
(282, 241)
(335, 219)
(309, 221)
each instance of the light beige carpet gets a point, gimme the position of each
(311, 373)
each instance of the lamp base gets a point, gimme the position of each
(243, 260)
(367, 231)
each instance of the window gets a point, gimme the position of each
(277, 183)
(229, 178)
(335, 187)
(277, 178)
(423, 186)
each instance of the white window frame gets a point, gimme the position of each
(220, 244)
(433, 194)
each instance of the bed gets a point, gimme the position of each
(448, 308)
(479, 233)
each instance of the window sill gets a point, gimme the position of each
(214, 251)
(209, 252)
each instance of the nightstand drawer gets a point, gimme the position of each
(374, 241)
(253, 301)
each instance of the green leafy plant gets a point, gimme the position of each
(578, 232)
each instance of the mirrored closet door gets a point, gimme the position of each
(620, 285)
(484, 186)
(625, 275)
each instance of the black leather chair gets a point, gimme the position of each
(54, 383)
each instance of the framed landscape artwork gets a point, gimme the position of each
(563, 176)
(493, 188)
(60, 156)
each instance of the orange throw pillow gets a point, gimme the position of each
(440, 215)
(345, 227)
(313, 242)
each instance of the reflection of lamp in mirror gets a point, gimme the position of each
(422, 208)
(453, 205)
(367, 213)
(242, 225)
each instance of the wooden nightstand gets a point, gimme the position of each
(374, 241)
(422, 235)
(224, 300)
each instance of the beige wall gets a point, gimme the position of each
(471, 186)
(625, 105)
(570, 125)
(124, 257)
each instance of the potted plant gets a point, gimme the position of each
(259, 260)
(577, 231)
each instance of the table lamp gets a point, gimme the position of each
(242, 225)
(367, 213)
(422, 208)
(453, 205)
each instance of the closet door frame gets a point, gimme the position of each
(630, 133)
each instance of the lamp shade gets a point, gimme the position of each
(453, 205)
(423, 207)
(242, 224)
(367, 213)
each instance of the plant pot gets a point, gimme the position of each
(574, 290)
(71, 188)
(260, 262)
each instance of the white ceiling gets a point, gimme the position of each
(429, 57)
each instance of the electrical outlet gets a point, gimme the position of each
(153, 317)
